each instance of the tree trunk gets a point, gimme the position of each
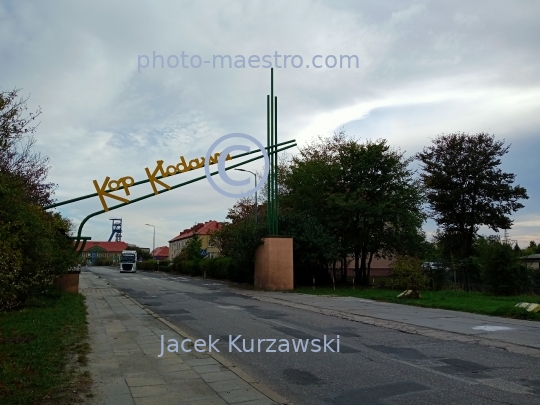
(369, 265)
(363, 261)
(357, 275)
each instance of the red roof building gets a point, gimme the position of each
(161, 253)
(94, 250)
(204, 231)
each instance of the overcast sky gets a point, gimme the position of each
(424, 68)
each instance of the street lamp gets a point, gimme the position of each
(256, 204)
(154, 242)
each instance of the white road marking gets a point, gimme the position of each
(489, 328)
(229, 307)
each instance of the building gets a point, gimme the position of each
(103, 250)
(204, 231)
(532, 261)
(161, 253)
(379, 267)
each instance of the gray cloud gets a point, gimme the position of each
(424, 68)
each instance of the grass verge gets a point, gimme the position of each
(475, 302)
(41, 347)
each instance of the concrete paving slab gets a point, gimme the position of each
(126, 340)
(242, 395)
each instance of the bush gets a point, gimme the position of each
(502, 271)
(239, 242)
(219, 267)
(103, 262)
(34, 248)
(191, 267)
(409, 272)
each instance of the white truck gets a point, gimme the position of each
(128, 261)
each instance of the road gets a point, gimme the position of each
(375, 365)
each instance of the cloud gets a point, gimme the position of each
(424, 68)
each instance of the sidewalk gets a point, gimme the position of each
(126, 341)
(515, 335)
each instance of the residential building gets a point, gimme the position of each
(161, 253)
(379, 267)
(94, 250)
(204, 231)
(532, 261)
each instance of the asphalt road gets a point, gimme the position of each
(374, 365)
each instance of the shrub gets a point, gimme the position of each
(34, 248)
(103, 262)
(219, 267)
(409, 272)
(502, 271)
(239, 242)
(191, 267)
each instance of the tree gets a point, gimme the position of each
(239, 242)
(532, 249)
(192, 250)
(17, 156)
(502, 271)
(244, 209)
(34, 247)
(466, 187)
(363, 194)
(313, 247)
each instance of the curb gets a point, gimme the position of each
(220, 359)
(406, 328)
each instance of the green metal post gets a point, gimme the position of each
(275, 172)
(268, 188)
(272, 168)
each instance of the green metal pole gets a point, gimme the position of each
(272, 167)
(268, 180)
(275, 172)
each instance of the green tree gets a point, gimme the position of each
(363, 194)
(17, 156)
(239, 242)
(467, 189)
(192, 250)
(502, 271)
(532, 249)
(313, 247)
(34, 248)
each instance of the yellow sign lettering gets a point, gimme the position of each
(153, 177)
(102, 193)
(127, 181)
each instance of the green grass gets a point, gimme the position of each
(37, 343)
(475, 302)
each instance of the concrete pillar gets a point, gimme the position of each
(274, 264)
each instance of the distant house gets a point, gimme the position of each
(161, 253)
(532, 261)
(203, 230)
(379, 267)
(94, 250)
